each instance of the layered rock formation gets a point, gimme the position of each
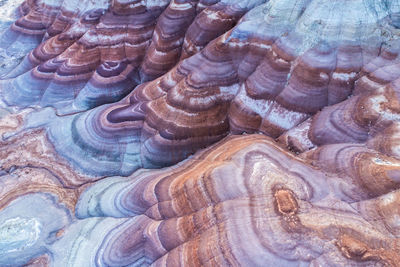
(244, 202)
(248, 202)
(282, 118)
(90, 53)
(279, 66)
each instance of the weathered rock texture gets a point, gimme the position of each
(281, 64)
(87, 53)
(248, 202)
(282, 117)
(244, 202)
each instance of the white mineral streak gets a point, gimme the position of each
(18, 234)
(81, 7)
(343, 76)
(180, 6)
(8, 15)
(7, 10)
(27, 225)
(156, 3)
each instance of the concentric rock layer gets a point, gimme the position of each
(248, 202)
(91, 53)
(282, 118)
(281, 64)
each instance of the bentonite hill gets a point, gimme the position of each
(199, 133)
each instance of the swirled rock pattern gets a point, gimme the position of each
(280, 65)
(90, 53)
(248, 202)
(282, 119)
(245, 201)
